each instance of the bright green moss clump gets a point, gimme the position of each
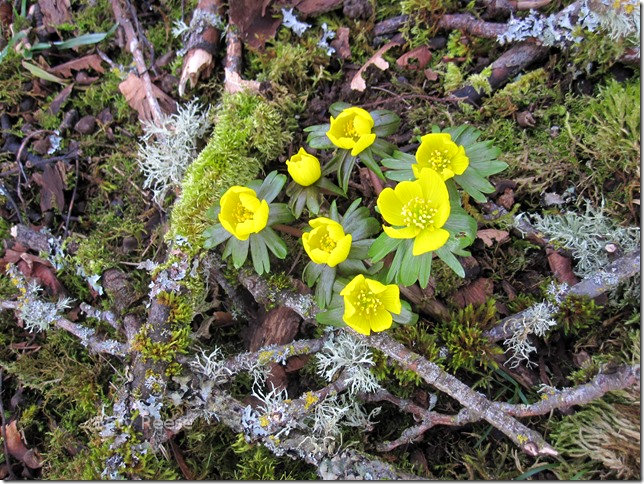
(249, 132)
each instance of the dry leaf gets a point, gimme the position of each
(33, 266)
(341, 43)
(51, 182)
(358, 83)
(256, 25)
(134, 91)
(316, 7)
(58, 101)
(92, 61)
(55, 12)
(430, 74)
(421, 54)
(475, 293)
(488, 236)
(18, 449)
(561, 267)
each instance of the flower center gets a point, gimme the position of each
(350, 130)
(368, 303)
(438, 160)
(327, 244)
(241, 214)
(417, 212)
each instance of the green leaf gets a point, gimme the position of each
(313, 201)
(318, 128)
(409, 267)
(215, 235)
(397, 163)
(360, 249)
(382, 246)
(344, 171)
(324, 287)
(333, 212)
(259, 254)
(462, 226)
(394, 268)
(274, 242)
(43, 74)
(406, 315)
(385, 122)
(400, 175)
(350, 212)
(446, 256)
(271, 186)
(239, 251)
(311, 273)
(326, 184)
(351, 267)
(279, 213)
(86, 39)
(319, 141)
(368, 160)
(424, 268)
(332, 317)
(13, 41)
(337, 107)
(536, 470)
(297, 204)
(213, 212)
(382, 148)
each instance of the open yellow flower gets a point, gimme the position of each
(326, 243)
(351, 130)
(242, 213)
(304, 168)
(438, 152)
(368, 304)
(421, 208)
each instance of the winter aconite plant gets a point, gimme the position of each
(357, 263)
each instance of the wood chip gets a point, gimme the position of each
(341, 43)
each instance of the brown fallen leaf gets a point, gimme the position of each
(92, 61)
(341, 43)
(358, 83)
(134, 91)
(52, 185)
(59, 100)
(561, 267)
(475, 293)
(55, 12)
(317, 7)
(430, 74)
(420, 54)
(30, 457)
(488, 236)
(33, 266)
(255, 23)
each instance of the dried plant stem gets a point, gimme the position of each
(134, 47)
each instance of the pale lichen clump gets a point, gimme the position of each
(345, 352)
(36, 315)
(166, 150)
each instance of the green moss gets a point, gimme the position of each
(12, 77)
(463, 337)
(577, 313)
(530, 90)
(97, 96)
(249, 132)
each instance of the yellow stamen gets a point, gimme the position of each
(418, 212)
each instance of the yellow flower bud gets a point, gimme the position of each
(327, 242)
(438, 152)
(368, 304)
(304, 168)
(351, 130)
(242, 213)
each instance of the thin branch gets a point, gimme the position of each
(469, 23)
(7, 458)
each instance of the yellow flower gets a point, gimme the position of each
(242, 213)
(327, 242)
(368, 304)
(351, 130)
(304, 168)
(421, 207)
(438, 152)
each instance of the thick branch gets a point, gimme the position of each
(593, 286)
(468, 23)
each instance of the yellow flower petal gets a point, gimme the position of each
(359, 324)
(242, 213)
(304, 168)
(341, 251)
(355, 282)
(381, 320)
(460, 162)
(408, 190)
(317, 222)
(404, 233)
(374, 286)
(363, 142)
(390, 297)
(390, 207)
(429, 240)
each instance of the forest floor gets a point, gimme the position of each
(96, 209)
